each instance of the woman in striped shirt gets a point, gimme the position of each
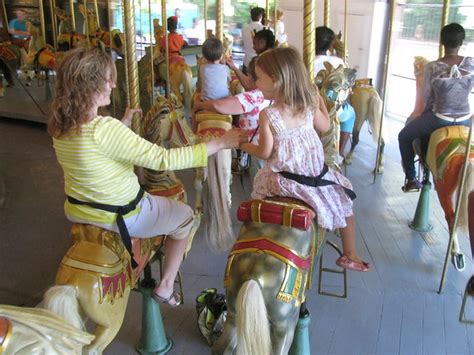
(98, 155)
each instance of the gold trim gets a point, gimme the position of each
(96, 268)
(255, 212)
(288, 216)
(228, 266)
(201, 117)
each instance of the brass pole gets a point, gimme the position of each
(275, 15)
(86, 21)
(109, 24)
(267, 10)
(96, 8)
(43, 24)
(309, 24)
(52, 6)
(327, 9)
(444, 22)
(73, 16)
(127, 93)
(205, 19)
(5, 13)
(345, 31)
(452, 232)
(220, 20)
(151, 53)
(385, 79)
(132, 67)
(167, 51)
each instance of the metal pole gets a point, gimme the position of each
(86, 21)
(309, 24)
(132, 67)
(52, 6)
(444, 22)
(205, 19)
(73, 16)
(458, 205)
(167, 61)
(267, 11)
(327, 9)
(220, 20)
(345, 30)
(151, 54)
(5, 15)
(385, 79)
(275, 16)
(43, 25)
(96, 8)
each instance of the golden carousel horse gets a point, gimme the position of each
(38, 331)
(367, 105)
(174, 128)
(445, 158)
(268, 272)
(95, 276)
(334, 85)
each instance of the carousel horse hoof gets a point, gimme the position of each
(458, 261)
(175, 296)
(350, 264)
(412, 186)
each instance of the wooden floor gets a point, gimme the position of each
(394, 309)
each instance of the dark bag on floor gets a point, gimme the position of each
(211, 310)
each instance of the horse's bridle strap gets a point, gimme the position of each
(266, 245)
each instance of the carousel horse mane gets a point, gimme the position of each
(39, 331)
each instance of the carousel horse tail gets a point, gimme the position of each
(62, 300)
(468, 187)
(219, 226)
(374, 114)
(253, 328)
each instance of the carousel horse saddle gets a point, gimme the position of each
(277, 210)
(213, 124)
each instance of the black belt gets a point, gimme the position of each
(120, 211)
(317, 181)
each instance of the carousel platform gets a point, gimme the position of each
(394, 309)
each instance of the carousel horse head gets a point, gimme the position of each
(65, 24)
(335, 85)
(268, 271)
(38, 331)
(90, 20)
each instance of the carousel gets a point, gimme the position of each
(268, 267)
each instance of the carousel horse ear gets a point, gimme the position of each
(328, 67)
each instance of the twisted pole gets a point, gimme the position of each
(220, 20)
(309, 32)
(327, 9)
(43, 24)
(164, 20)
(385, 79)
(132, 67)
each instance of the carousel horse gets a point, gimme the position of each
(334, 85)
(444, 159)
(95, 276)
(367, 106)
(174, 128)
(268, 271)
(38, 331)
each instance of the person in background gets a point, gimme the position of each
(293, 153)
(255, 25)
(175, 42)
(281, 36)
(98, 155)
(18, 28)
(447, 85)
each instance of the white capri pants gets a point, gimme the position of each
(158, 216)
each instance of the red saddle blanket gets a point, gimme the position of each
(285, 212)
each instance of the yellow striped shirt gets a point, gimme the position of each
(98, 165)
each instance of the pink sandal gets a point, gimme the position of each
(350, 264)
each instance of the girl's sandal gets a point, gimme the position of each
(350, 264)
(175, 296)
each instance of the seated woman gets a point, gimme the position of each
(175, 41)
(446, 88)
(325, 41)
(98, 155)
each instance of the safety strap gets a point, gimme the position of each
(120, 211)
(316, 181)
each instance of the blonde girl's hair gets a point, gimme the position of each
(292, 83)
(82, 74)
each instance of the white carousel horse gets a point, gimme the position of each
(38, 331)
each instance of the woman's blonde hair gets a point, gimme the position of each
(82, 74)
(292, 83)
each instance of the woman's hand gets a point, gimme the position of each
(127, 117)
(230, 63)
(231, 139)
